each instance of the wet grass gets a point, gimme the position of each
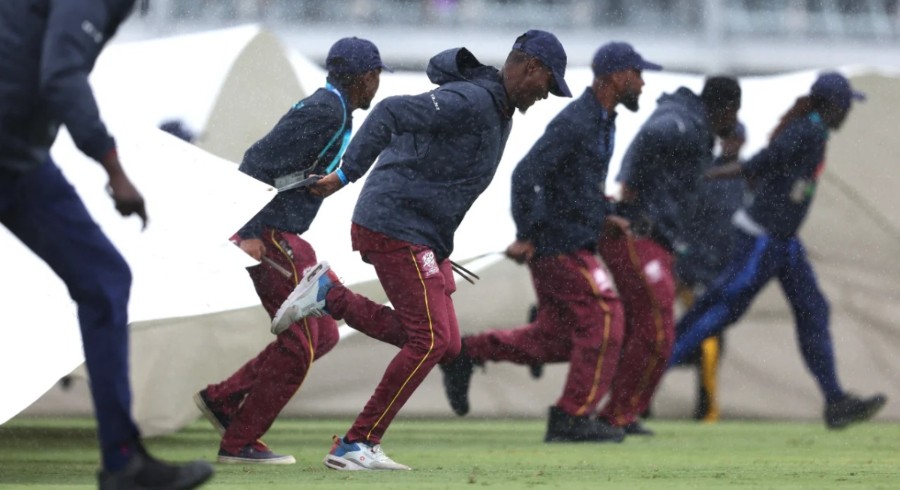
(494, 454)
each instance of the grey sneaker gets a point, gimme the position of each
(358, 456)
(307, 299)
(254, 454)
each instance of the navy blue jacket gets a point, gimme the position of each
(558, 198)
(784, 175)
(664, 164)
(47, 50)
(709, 232)
(305, 141)
(437, 152)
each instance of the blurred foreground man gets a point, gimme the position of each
(560, 210)
(47, 50)
(437, 152)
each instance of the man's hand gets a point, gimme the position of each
(127, 198)
(521, 251)
(616, 227)
(253, 247)
(326, 186)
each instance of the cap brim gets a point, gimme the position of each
(560, 88)
(857, 95)
(386, 68)
(646, 65)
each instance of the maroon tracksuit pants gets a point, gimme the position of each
(642, 270)
(257, 392)
(580, 321)
(422, 322)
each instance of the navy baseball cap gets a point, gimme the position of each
(352, 55)
(835, 88)
(618, 56)
(548, 50)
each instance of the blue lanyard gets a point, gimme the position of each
(817, 119)
(346, 131)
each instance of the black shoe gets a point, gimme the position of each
(852, 409)
(144, 472)
(457, 377)
(562, 427)
(212, 411)
(536, 370)
(637, 429)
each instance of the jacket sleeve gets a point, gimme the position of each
(531, 177)
(656, 145)
(72, 41)
(786, 147)
(295, 143)
(438, 111)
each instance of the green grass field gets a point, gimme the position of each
(494, 454)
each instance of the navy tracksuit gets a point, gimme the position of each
(766, 246)
(47, 50)
(559, 204)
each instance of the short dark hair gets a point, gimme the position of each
(516, 56)
(345, 79)
(720, 92)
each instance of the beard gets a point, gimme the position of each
(631, 102)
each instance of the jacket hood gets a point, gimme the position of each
(460, 65)
(119, 10)
(681, 99)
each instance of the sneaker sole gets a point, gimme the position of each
(208, 414)
(280, 321)
(340, 464)
(287, 459)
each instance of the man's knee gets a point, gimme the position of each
(107, 283)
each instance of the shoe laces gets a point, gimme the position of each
(378, 454)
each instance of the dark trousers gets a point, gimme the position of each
(642, 269)
(757, 260)
(422, 322)
(257, 392)
(579, 321)
(43, 210)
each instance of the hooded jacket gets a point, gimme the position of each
(663, 165)
(558, 198)
(437, 152)
(47, 50)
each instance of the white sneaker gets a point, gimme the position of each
(357, 456)
(307, 299)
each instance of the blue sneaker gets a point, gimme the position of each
(208, 408)
(358, 456)
(307, 299)
(254, 454)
